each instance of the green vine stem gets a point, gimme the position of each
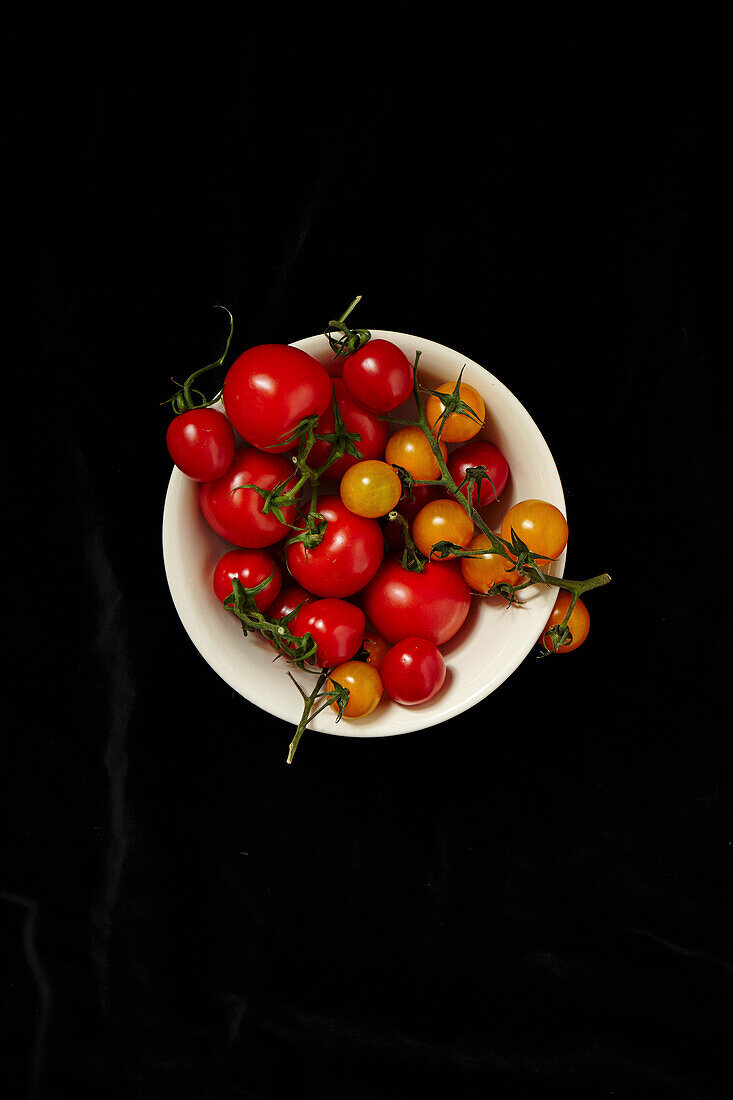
(183, 400)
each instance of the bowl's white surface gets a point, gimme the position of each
(494, 640)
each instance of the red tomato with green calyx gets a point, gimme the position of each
(413, 671)
(236, 513)
(374, 433)
(269, 389)
(347, 558)
(250, 567)
(336, 626)
(201, 443)
(432, 604)
(486, 455)
(379, 375)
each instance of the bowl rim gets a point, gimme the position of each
(423, 719)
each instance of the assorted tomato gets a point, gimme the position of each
(364, 685)
(541, 526)
(413, 671)
(441, 521)
(371, 489)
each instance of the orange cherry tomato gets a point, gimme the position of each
(579, 623)
(409, 448)
(481, 573)
(541, 526)
(441, 521)
(458, 427)
(371, 488)
(364, 685)
(376, 647)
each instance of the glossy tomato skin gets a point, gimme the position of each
(201, 443)
(540, 525)
(379, 375)
(579, 624)
(413, 671)
(346, 560)
(432, 604)
(478, 453)
(458, 427)
(250, 567)
(288, 599)
(376, 647)
(422, 495)
(336, 626)
(364, 685)
(236, 513)
(374, 433)
(269, 389)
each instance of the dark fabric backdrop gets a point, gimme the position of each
(531, 900)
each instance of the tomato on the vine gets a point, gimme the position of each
(371, 488)
(409, 448)
(373, 433)
(201, 443)
(336, 626)
(236, 513)
(432, 604)
(540, 525)
(347, 558)
(476, 453)
(379, 375)
(286, 602)
(250, 567)
(269, 389)
(376, 647)
(441, 521)
(457, 427)
(413, 671)
(490, 569)
(364, 685)
(421, 495)
(579, 623)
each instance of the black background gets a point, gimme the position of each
(531, 900)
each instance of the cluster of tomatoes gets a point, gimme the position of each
(351, 591)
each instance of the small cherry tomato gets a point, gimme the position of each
(250, 567)
(441, 521)
(541, 526)
(413, 671)
(432, 604)
(290, 598)
(579, 623)
(379, 375)
(347, 558)
(480, 454)
(336, 626)
(372, 431)
(458, 427)
(201, 443)
(409, 448)
(481, 573)
(376, 647)
(236, 513)
(371, 488)
(421, 495)
(364, 685)
(269, 389)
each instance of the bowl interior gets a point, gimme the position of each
(494, 640)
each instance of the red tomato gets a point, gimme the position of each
(235, 513)
(376, 647)
(288, 600)
(432, 604)
(269, 389)
(201, 443)
(348, 557)
(250, 567)
(379, 375)
(413, 671)
(336, 626)
(477, 453)
(374, 433)
(423, 494)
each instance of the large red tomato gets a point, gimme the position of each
(236, 513)
(269, 389)
(479, 453)
(201, 443)
(348, 557)
(379, 375)
(374, 433)
(432, 604)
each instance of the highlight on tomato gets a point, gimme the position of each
(409, 448)
(348, 557)
(364, 685)
(432, 604)
(413, 671)
(490, 569)
(441, 521)
(371, 488)
(251, 568)
(379, 375)
(540, 525)
(457, 426)
(336, 626)
(578, 624)
(483, 456)
(201, 443)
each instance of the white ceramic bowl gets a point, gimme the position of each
(495, 638)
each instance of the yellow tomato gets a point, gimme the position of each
(481, 573)
(371, 488)
(441, 521)
(579, 623)
(458, 427)
(541, 526)
(364, 685)
(410, 449)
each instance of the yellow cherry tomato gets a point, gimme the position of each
(541, 526)
(376, 647)
(364, 685)
(441, 521)
(409, 448)
(579, 623)
(371, 488)
(481, 573)
(458, 427)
